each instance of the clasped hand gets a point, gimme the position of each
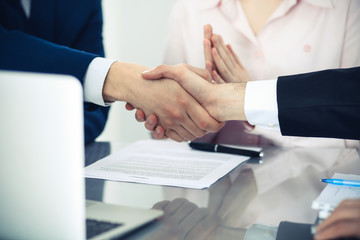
(222, 101)
(179, 114)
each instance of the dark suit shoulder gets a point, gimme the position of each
(79, 25)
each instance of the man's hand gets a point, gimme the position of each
(343, 222)
(224, 102)
(181, 116)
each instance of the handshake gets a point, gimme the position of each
(211, 105)
(183, 102)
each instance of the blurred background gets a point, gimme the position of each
(134, 31)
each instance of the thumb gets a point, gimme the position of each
(178, 73)
(194, 84)
(156, 73)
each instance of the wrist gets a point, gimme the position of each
(109, 93)
(122, 81)
(230, 102)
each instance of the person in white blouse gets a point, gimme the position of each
(271, 39)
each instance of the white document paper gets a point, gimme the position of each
(333, 194)
(165, 163)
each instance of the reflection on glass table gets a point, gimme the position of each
(280, 189)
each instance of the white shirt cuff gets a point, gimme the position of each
(94, 80)
(261, 103)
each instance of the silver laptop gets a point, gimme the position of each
(42, 191)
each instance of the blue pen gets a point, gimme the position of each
(343, 182)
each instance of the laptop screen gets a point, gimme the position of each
(42, 157)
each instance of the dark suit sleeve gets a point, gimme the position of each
(320, 104)
(23, 52)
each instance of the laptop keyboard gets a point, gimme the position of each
(96, 227)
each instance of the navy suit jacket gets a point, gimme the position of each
(61, 36)
(320, 104)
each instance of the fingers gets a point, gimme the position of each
(129, 107)
(174, 136)
(227, 63)
(224, 52)
(207, 46)
(203, 120)
(182, 134)
(169, 101)
(222, 68)
(240, 73)
(197, 121)
(234, 56)
(159, 133)
(347, 209)
(139, 115)
(343, 222)
(175, 72)
(162, 71)
(179, 120)
(199, 71)
(217, 78)
(208, 32)
(208, 55)
(178, 135)
(343, 229)
(209, 66)
(151, 122)
(190, 81)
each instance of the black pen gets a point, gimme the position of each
(208, 147)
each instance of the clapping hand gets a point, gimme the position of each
(221, 60)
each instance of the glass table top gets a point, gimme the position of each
(281, 187)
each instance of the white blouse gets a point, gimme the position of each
(300, 36)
